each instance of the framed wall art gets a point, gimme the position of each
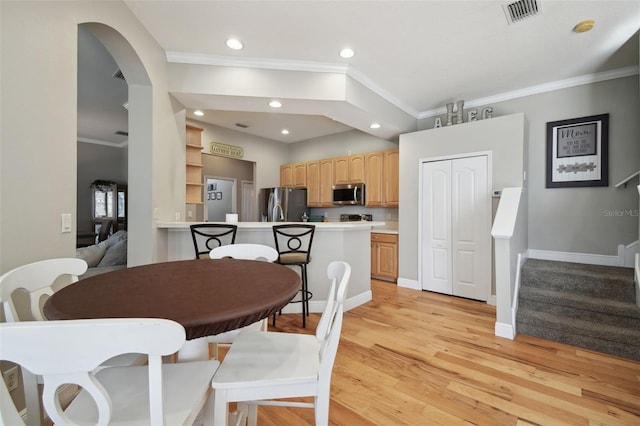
(578, 152)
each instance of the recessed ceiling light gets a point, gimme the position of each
(198, 113)
(584, 26)
(234, 43)
(374, 126)
(285, 131)
(275, 104)
(347, 53)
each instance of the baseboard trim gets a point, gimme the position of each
(407, 283)
(504, 330)
(562, 256)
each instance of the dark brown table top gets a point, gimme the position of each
(206, 296)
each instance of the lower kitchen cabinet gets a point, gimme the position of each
(384, 256)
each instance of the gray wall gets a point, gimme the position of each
(337, 145)
(97, 162)
(582, 220)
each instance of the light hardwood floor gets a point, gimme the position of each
(419, 358)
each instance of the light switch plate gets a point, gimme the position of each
(65, 219)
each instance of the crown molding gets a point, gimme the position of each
(104, 143)
(541, 88)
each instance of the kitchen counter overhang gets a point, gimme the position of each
(347, 241)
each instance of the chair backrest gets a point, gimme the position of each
(105, 230)
(36, 279)
(330, 324)
(245, 251)
(69, 351)
(293, 242)
(207, 236)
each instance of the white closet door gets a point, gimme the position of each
(471, 241)
(436, 225)
(456, 226)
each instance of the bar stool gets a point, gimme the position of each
(207, 236)
(293, 243)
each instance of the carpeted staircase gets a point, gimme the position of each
(589, 306)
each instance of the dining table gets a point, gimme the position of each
(206, 296)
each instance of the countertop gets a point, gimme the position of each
(388, 228)
(378, 225)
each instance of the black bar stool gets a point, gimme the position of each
(207, 236)
(293, 243)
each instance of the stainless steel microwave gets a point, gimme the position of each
(349, 195)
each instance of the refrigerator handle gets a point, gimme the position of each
(278, 206)
(270, 208)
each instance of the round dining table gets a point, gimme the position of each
(206, 296)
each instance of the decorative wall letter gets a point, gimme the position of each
(460, 117)
(449, 114)
(438, 123)
(472, 115)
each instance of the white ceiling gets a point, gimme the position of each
(414, 56)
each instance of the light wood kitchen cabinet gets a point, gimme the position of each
(382, 176)
(341, 170)
(326, 183)
(348, 169)
(374, 182)
(384, 256)
(313, 184)
(392, 178)
(300, 175)
(286, 175)
(356, 168)
(193, 180)
(293, 175)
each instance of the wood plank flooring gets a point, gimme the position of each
(418, 358)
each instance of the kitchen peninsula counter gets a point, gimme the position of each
(347, 241)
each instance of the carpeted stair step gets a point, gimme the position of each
(590, 280)
(577, 306)
(589, 306)
(626, 349)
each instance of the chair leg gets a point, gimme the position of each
(303, 300)
(32, 398)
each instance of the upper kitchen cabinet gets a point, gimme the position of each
(286, 175)
(348, 169)
(293, 175)
(382, 176)
(326, 183)
(313, 184)
(193, 179)
(392, 178)
(374, 182)
(300, 175)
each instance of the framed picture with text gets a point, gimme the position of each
(578, 152)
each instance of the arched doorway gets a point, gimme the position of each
(139, 156)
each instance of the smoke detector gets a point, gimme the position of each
(518, 10)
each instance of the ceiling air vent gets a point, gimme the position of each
(521, 9)
(118, 74)
(122, 133)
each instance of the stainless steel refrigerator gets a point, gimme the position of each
(282, 204)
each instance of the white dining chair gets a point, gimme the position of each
(247, 252)
(261, 368)
(69, 352)
(36, 280)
